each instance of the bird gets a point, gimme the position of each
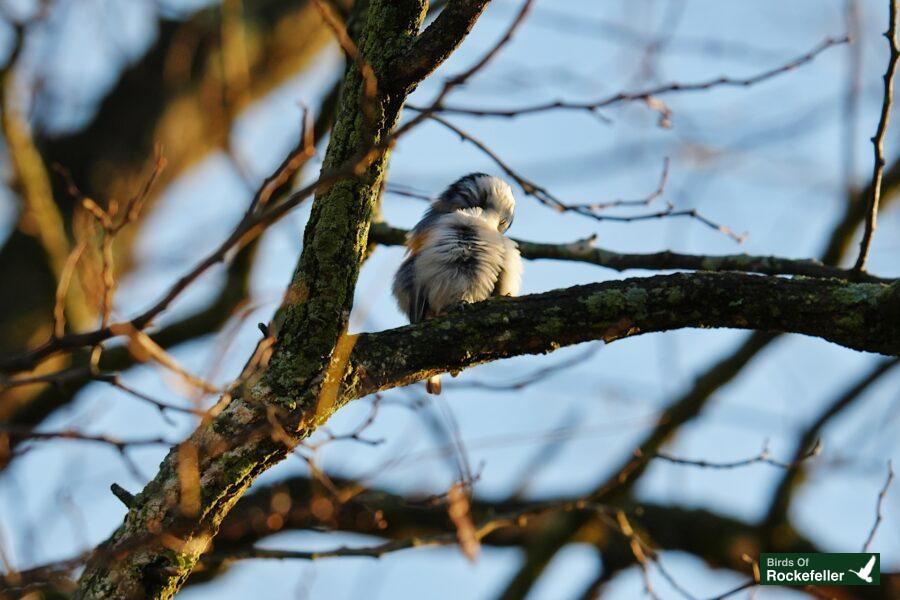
(866, 572)
(458, 254)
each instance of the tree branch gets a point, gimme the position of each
(777, 513)
(283, 398)
(861, 316)
(288, 505)
(878, 141)
(585, 251)
(435, 44)
(162, 98)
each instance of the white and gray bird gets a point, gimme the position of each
(457, 254)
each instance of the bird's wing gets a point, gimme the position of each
(418, 307)
(509, 279)
(868, 568)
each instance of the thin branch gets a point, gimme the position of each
(645, 201)
(733, 591)
(778, 506)
(505, 39)
(356, 434)
(585, 251)
(878, 141)
(68, 434)
(537, 376)
(555, 19)
(460, 79)
(251, 225)
(644, 95)
(878, 505)
(764, 457)
(545, 197)
(10, 435)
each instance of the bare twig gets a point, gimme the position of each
(333, 21)
(644, 95)
(537, 376)
(733, 591)
(556, 19)
(781, 497)
(585, 251)
(878, 505)
(252, 224)
(545, 197)
(68, 434)
(660, 189)
(408, 192)
(356, 434)
(86, 373)
(764, 457)
(17, 434)
(878, 142)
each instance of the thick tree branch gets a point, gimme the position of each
(160, 541)
(861, 316)
(284, 397)
(289, 505)
(435, 44)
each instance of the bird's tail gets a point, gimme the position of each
(433, 385)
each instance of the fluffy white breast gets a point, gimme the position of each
(461, 260)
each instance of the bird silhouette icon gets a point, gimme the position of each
(866, 572)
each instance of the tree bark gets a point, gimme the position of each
(170, 524)
(862, 316)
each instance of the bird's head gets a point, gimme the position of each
(478, 190)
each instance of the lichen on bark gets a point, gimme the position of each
(154, 550)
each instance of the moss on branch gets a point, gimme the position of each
(152, 553)
(862, 316)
